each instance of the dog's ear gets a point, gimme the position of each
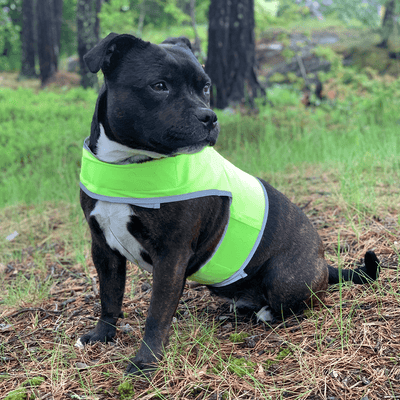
(109, 51)
(182, 40)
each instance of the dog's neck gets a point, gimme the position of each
(115, 153)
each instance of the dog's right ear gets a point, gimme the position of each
(107, 53)
(181, 40)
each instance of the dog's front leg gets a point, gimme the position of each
(168, 283)
(111, 270)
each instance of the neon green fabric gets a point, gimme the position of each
(183, 177)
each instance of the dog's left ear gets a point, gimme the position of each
(181, 41)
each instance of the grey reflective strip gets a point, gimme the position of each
(86, 146)
(239, 274)
(156, 201)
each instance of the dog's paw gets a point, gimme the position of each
(139, 368)
(103, 332)
(265, 315)
(79, 344)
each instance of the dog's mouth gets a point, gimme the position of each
(213, 139)
(210, 140)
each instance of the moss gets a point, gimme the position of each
(277, 78)
(126, 390)
(17, 394)
(283, 353)
(36, 381)
(238, 337)
(241, 367)
(373, 57)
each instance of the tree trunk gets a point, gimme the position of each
(28, 40)
(231, 53)
(142, 16)
(387, 23)
(88, 35)
(58, 7)
(46, 39)
(197, 43)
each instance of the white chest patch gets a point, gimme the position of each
(113, 219)
(112, 152)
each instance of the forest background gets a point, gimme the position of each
(325, 134)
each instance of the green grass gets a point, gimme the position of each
(40, 143)
(42, 134)
(356, 136)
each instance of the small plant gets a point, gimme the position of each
(283, 353)
(241, 367)
(17, 394)
(126, 390)
(35, 381)
(238, 337)
(237, 366)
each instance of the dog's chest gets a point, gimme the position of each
(113, 219)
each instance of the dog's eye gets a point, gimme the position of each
(159, 87)
(206, 89)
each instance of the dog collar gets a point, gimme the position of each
(183, 177)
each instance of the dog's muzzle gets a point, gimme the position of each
(207, 117)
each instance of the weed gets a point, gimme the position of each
(126, 390)
(238, 337)
(17, 394)
(36, 381)
(238, 366)
(282, 354)
(241, 367)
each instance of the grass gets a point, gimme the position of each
(357, 136)
(338, 161)
(41, 137)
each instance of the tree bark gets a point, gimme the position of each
(28, 40)
(387, 23)
(88, 35)
(46, 39)
(197, 43)
(231, 53)
(142, 16)
(58, 7)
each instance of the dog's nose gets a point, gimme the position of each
(207, 117)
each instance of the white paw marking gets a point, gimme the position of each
(265, 315)
(113, 219)
(79, 344)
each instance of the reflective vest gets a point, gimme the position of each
(183, 177)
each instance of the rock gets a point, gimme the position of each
(81, 365)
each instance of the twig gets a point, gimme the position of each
(75, 289)
(302, 69)
(32, 310)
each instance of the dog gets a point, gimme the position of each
(154, 191)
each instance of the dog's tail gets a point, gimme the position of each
(368, 273)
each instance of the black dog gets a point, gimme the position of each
(154, 111)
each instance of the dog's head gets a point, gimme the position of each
(156, 98)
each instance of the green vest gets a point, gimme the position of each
(183, 177)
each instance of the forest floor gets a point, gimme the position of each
(347, 348)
